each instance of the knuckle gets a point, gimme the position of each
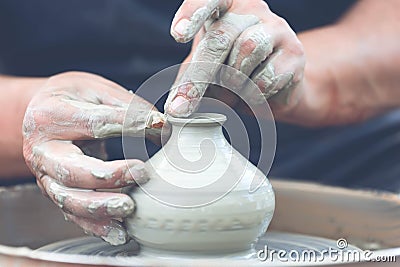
(218, 41)
(37, 116)
(37, 120)
(280, 22)
(297, 48)
(247, 46)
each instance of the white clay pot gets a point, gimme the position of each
(203, 196)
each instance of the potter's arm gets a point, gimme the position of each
(352, 66)
(15, 95)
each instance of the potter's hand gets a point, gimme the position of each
(245, 35)
(76, 107)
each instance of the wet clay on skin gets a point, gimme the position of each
(210, 52)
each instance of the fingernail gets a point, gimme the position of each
(116, 236)
(181, 27)
(180, 106)
(137, 174)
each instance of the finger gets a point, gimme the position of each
(192, 15)
(211, 51)
(110, 231)
(282, 70)
(67, 164)
(186, 62)
(67, 119)
(95, 107)
(88, 203)
(280, 73)
(184, 66)
(91, 88)
(251, 48)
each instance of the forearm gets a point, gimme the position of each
(352, 69)
(15, 95)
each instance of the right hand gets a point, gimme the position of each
(73, 108)
(247, 36)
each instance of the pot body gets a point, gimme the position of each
(203, 196)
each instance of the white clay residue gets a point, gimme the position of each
(211, 51)
(94, 206)
(29, 124)
(59, 195)
(280, 82)
(263, 47)
(106, 129)
(221, 36)
(116, 236)
(62, 173)
(139, 174)
(105, 121)
(99, 174)
(119, 206)
(155, 118)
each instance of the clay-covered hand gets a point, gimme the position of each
(69, 109)
(243, 34)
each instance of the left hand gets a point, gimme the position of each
(69, 114)
(245, 35)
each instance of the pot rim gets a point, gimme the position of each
(198, 119)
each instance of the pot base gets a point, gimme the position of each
(165, 254)
(133, 253)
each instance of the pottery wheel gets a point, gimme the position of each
(131, 254)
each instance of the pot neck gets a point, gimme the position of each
(196, 132)
(199, 126)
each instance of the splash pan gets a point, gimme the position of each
(309, 219)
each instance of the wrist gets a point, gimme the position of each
(15, 97)
(336, 90)
(20, 90)
(313, 99)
